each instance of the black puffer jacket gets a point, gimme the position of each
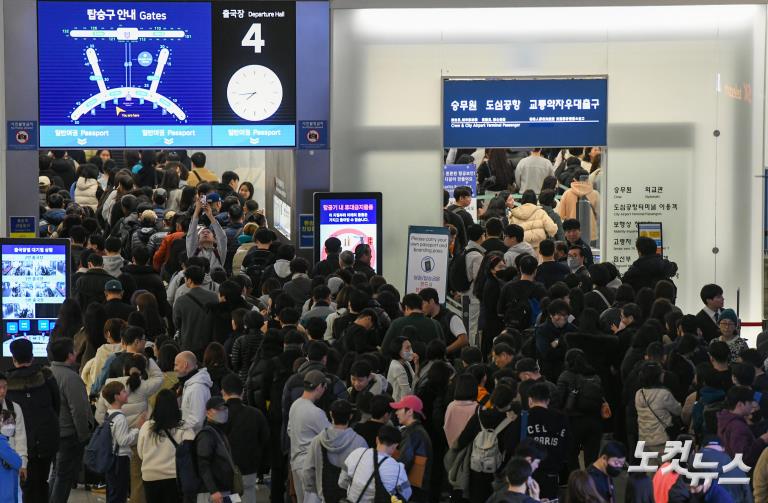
(35, 390)
(589, 393)
(649, 270)
(213, 459)
(90, 286)
(145, 278)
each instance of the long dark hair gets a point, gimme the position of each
(499, 167)
(170, 180)
(166, 415)
(70, 319)
(490, 261)
(147, 304)
(135, 368)
(249, 185)
(95, 319)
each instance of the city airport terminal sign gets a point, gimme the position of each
(524, 112)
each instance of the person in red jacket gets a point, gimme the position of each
(732, 427)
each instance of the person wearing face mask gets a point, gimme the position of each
(572, 231)
(576, 261)
(213, 455)
(12, 426)
(609, 465)
(401, 372)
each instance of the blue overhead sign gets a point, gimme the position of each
(524, 112)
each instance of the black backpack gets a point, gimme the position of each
(457, 271)
(521, 312)
(257, 263)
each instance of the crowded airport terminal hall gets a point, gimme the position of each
(384, 251)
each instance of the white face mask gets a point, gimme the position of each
(8, 430)
(407, 355)
(573, 264)
(221, 416)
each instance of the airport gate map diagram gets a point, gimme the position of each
(166, 74)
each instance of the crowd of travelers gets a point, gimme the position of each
(198, 358)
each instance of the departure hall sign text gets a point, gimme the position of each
(524, 112)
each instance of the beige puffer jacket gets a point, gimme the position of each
(566, 208)
(535, 222)
(85, 192)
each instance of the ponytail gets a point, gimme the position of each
(134, 380)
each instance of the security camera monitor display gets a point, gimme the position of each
(353, 218)
(166, 74)
(35, 283)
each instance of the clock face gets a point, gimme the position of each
(254, 93)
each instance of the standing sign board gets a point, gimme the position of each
(461, 175)
(643, 202)
(427, 263)
(354, 218)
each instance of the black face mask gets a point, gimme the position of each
(613, 471)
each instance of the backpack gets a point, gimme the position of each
(186, 474)
(585, 397)
(709, 426)
(486, 456)
(100, 453)
(257, 264)
(457, 271)
(521, 312)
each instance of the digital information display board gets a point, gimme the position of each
(167, 74)
(281, 215)
(35, 283)
(524, 112)
(352, 217)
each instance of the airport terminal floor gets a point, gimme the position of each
(364, 251)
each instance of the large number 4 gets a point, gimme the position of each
(253, 38)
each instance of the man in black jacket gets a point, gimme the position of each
(547, 427)
(572, 230)
(213, 454)
(331, 263)
(145, 278)
(525, 289)
(650, 267)
(709, 317)
(34, 388)
(114, 307)
(248, 433)
(90, 286)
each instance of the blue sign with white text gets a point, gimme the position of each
(459, 175)
(22, 135)
(306, 231)
(313, 134)
(525, 112)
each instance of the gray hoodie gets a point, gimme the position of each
(338, 443)
(195, 394)
(113, 264)
(283, 268)
(523, 248)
